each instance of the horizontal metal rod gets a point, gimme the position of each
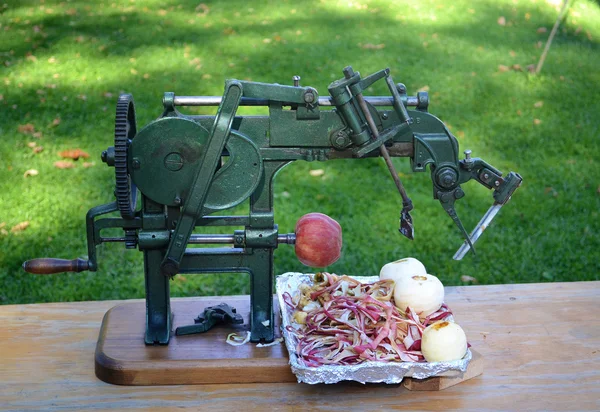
(208, 239)
(113, 239)
(247, 101)
(289, 238)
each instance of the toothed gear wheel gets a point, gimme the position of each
(131, 239)
(125, 130)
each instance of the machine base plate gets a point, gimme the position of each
(122, 357)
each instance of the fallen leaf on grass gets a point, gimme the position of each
(467, 278)
(203, 8)
(516, 67)
(538, 104)
(63, 164)
(502, 21)
(26, 128)
(19, 227)
(317, 172)
(32, 144)
(31, 172)
(2, 225)
(55, 122)
(74, 154)
(38, 149)
(531, 68)
(423, 89)
(537, 121)
(370, 46)
(88, 164)
(542, 30)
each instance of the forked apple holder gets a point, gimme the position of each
(187, 168)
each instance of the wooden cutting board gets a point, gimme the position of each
(122, 357)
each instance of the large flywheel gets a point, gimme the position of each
(165, 156)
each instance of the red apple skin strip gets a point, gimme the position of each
(349, 329)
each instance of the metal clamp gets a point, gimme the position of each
(213, 315)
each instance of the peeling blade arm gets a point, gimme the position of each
(447, 201)
(476, 233)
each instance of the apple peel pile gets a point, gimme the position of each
(341, 321)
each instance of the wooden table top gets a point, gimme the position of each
(540, 344)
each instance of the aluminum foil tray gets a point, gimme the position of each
(367, 372)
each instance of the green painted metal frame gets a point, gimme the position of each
(296, 128)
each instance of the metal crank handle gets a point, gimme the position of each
(49, 266)
(476, 233)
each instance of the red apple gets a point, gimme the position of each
(318, 240)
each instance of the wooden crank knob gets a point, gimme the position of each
(318, 240)
(48, 266)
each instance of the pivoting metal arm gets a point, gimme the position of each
(192, 206)
(504, 188)
(351, 88)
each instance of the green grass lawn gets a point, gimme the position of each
(63, 64)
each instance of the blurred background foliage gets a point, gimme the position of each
(64, 63)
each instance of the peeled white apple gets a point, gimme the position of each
(403, 267)
(443, 341)
(423, 293)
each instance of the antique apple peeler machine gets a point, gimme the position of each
(187, 168)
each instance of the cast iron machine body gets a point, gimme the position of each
(189, 168)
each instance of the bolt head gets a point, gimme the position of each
(309, 97)
(401, 88)
(447, 178)
(173, 161)
(348, 72)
